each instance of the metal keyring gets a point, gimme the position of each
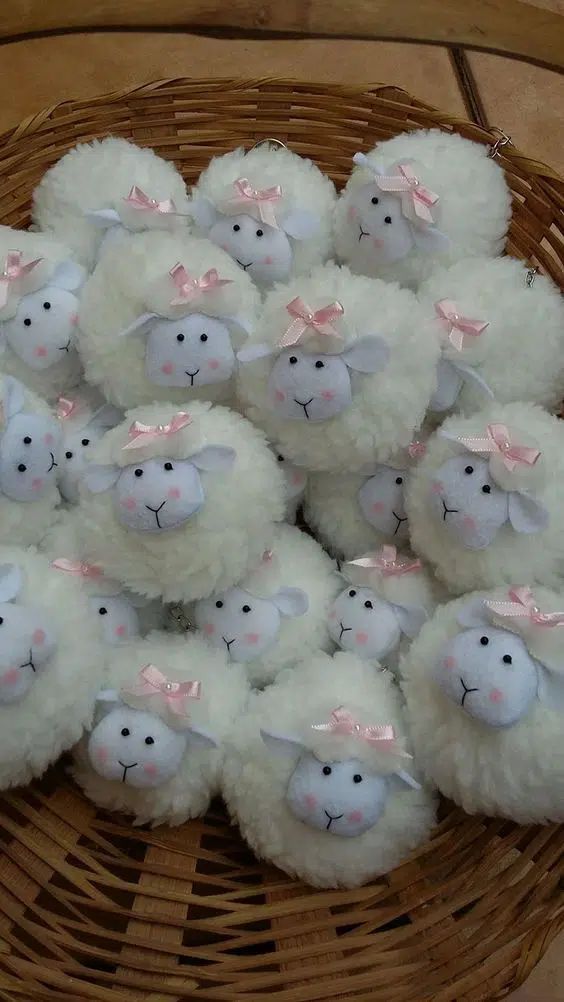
(276, 144)
(530, 276)
(503, 140)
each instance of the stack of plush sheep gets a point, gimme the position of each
(181, 374)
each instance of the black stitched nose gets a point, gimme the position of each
(344, 629)
(337, 817)
(228, 642)
(304, 405)
(400, 520)
(125, 768)
(243, 266)
(53, 463)
(156, 511)
(191, 374)
(466, 690)
(447, 511)
(363, 233)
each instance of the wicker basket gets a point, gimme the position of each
(92, 909)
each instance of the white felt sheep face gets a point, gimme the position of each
(193, 351)
(245, 625)
(262, 251)
(470, 505)
(316, 387)
(117, 617)
(29, 450)
(341, 798)
(43, 330)
(381, 500)
(371, 627)
(27, 640)
(383, 234)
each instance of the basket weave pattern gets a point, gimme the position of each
(92, 910)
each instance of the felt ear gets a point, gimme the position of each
(98, 479)
(430, 240)
(108, 696)
(291, 601)
(215, 458)
(11, 581)
(13, 397)
(471, 376)
(68, 275)
(103, 219)
(198, 737)
(474, 613)
(282, 745)
(141, 325)
(368, 354)
(401, 779)
(203, 212)
(300, 224)
(411, 618)
(527, 514)
(254, 351)
(551, 687)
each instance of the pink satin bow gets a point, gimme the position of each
(523, 605)
(415, 197)
(416, 450)
(498, 442)
(14, 270)
(249, 199)
(189, 288)
(458, 327)
(66, 408)
(343, 723)
(387, 562)
(319, 322)
(152, 682)
(141, 434)
(137, 199)
(78, 567)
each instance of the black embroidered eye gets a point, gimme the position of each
(68, 455)
(138, 473)
(22, 468)
(1, 620)
(85, 441)
(357, 778)
(486, 489)
(399, 480)
(236, 228)
(507, 659)
(46, 306)
(102, 611)
(374, 200)
(388, 219)
(484, 641)
(292, 360)
(27, 440)
(219, 604)
(149, 740)
(352, 593)
(368, 605)
(319, 365)
(125, 732)
(468, 469)
(168, 466)
(180, 337)
(246, 608)
(327, 770)
(260, 233)
(27, 322)
(280, 459)
(203, 337)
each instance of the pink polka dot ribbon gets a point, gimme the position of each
(175, 695)
(342, 722)
(522, 604)
(189, 288)
(305, 320)
(137, 199)
(258, 203)
(141, 435)
(457, 327)
(13, 271)
(387, 562)
(498, 442)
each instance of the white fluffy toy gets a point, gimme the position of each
(340, 369)
(354, 512)
(271, 210)
(485, 700)
(500, 335)
(277, 615)
(387, 600)
(295, 480)
(163, 316)
(420, 197)
(98, 191)
(318, 777)
(51, 665)
(30, 444)
(179, 504)
(485, 502)
(156, 746)
(39, 306)
(84, 417)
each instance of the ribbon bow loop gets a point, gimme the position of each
(80, 568)
(522, 605)
(175, 695)
(256, 201)
(416, 200)
(189, 288)
(457, 327)
(387, 562)
(307, 320)
(141, 435)
(66, 408)
(499, 443)
(13, 271)
(137, 199)
(381, 736)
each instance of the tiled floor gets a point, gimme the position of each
(524, 101)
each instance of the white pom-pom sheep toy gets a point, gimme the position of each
(51, 665)
(418, 198)
(99, 191)
(277, 615)
(340, 369)
(318, 778)
(179, 504)
(485, 500)
(501, 336)
(163, 316)
(271, 210)
(30, 442)
(352, 513)
(387, 600)
(156, 746)
(84, 417)
(39, 304)
(295, 481)
(484, 684)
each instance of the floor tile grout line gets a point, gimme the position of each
(468, 87)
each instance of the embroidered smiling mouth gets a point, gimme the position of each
(400, 520)
(331, 819)
(66, 346)
(344, 629)
(156, 512)
(466, 690)
(191, 374)
(305, 406)
(363, 233)
(228, 642)
(243, 266)
(29, 663)
(53, 463)
(125, 768)
(447, 511)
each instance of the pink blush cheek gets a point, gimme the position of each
(268, 260)
(102, 754)
(129, 503)
(496, 696)
(449, 663)
(209, 629)
(120, 630)
(297, 479)
(378, 244)
(278, 395)
(37, 484)
(332, 614)
(328, 394)
(10, 676)
(252, 638)
(352, 214)
(378, 507)
(150, 770)
(40, 351)
(213, 363)
(469, 523)
(355, 816)
(167, 368)
(361, 638)
(310, 801)
(48, 438)
(173, 493)
(38, 637)
(73, 319)
(437, 487)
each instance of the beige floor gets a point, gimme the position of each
(524, 101)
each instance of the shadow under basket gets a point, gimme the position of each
(94, 910)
